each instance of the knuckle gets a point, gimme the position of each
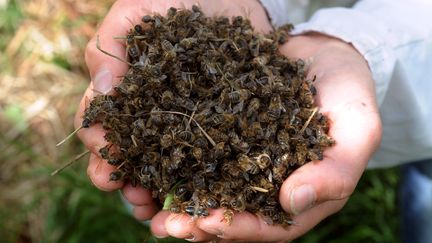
(90, 51)
(346, 188)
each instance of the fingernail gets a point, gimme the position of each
(191, 237)
(302, 198)
(102, 82)
(159, 236)
(219, 234)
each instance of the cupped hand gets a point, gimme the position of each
(105, 72)
(316, 190)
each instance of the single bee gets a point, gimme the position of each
(147, 19)
(223, 120)
(228, 215)
(210, 201)
(216, 188)
(104, 152)
(254, 131)
(167, 46)
(280, 167)
(183, 87)
(167, 99)
(275, 108)
(263, 161)
(247, 164)
(238, 96)
(188, 43)
(253, 107)
(238, 203)
(128, 89)
(171, 12)
(166, 141)
(116, 175)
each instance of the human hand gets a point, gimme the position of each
(104, 73)
(334, 178)
(318, 189)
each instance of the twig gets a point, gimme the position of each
(198, 125)
(308, 120)
(193, 113)
(109, 54)
(259, 189)
(69, 136)
(79, 156)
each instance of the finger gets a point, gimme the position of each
(157, 226)
(92, 137)
(104, 69)
(99, 172)
(145, 212)
(137, 195)
(247, 227)
(184, 226)
(244, 226)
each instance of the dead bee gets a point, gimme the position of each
(253, 107)
(232, 169)
(176, 207)
(176, 156)
(201, 142)
(238, 96)
(166, 140)
(263, 161)
(104, 152)
(116, 175)
(167, 99)
(169, 49)
(132, 49)
(217, 188)
(275, 108)
(217, 135)
(199, 181)
(228, 215)
(128, 89)
(202, 212)
(210, 201)
(280, 167)
(238, 203)
(188, 43)
(183, 87)
(171, 12)
(185, 136)
(223, 120)
(147, 19)
(185, 103)
(254, 131)
(247, 164)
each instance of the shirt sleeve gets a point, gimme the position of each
(395, 37)
(376, 28)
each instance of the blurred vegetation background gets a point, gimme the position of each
(42, 78)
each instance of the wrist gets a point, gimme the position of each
(314, 45)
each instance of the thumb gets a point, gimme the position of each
(357, 131)
(315, 183)
(104, 69)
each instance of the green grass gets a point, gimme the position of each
(82, 213)
(371, 214)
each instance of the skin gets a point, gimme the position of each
(345, 94)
